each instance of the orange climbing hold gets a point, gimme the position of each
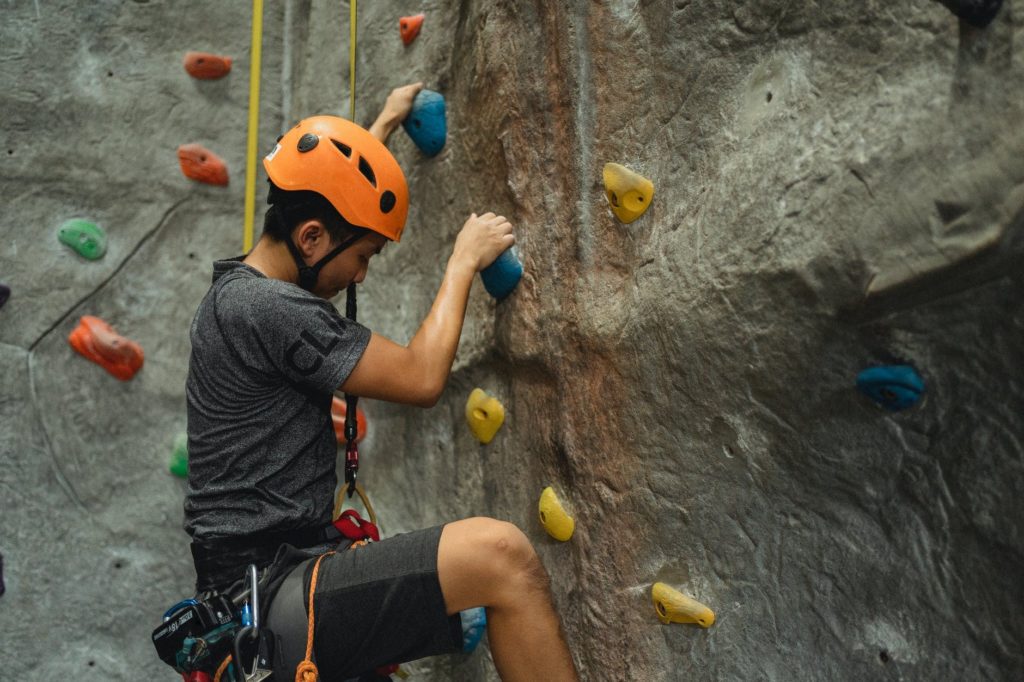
(338, 411)
(97, 341)
(200, 164)
(207, 66)
(410, 27)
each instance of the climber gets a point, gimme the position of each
(268, 351)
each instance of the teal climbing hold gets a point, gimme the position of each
(179, 457)
(894, 387)
(88, 239)
(502, 276)
(474, 623)
(426, 123)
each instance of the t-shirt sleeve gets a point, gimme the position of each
(288, 332)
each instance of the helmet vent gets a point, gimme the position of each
(387, 202)
(343, 148)
(367, 170)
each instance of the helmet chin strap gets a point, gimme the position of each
(308, 273)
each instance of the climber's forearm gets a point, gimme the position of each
(437, 340)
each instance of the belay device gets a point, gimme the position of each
(197, 637)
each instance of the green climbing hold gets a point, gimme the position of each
(179, 457)
(88, 239)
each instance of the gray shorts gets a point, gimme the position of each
(374, 605)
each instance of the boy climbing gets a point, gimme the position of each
(268, 351)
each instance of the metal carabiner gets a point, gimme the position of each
(250, 631)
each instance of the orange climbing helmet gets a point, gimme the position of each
(346, 165)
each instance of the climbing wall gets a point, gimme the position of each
(96, 102)
(837, 186)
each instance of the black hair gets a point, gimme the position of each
(290, 208)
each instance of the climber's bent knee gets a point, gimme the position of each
(486, 562)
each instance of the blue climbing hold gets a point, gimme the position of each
(502, 276)
(894, 387)
(5, 293)
(426, 123)
(474, 622)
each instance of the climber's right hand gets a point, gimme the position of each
(483, 238)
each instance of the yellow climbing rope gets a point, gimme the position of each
(353, 4)
(254, 124)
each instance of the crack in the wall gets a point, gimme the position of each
(62, 480)
(286, 62)
(584, 131)
(149, 235)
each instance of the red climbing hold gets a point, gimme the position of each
(97, 341)
(410, 27)
(200, 164)
(206, 66)
(338, 411)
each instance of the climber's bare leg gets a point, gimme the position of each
(485, 562)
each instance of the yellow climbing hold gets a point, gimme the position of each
(553, 517)
(629, 193)
(675, 607)
(484, 414)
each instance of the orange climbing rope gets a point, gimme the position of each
(306, 670)
(223, 666)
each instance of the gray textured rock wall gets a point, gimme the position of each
(837, 184)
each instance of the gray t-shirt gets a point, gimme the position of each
(266, 358)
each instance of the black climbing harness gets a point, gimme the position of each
(217, 632)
